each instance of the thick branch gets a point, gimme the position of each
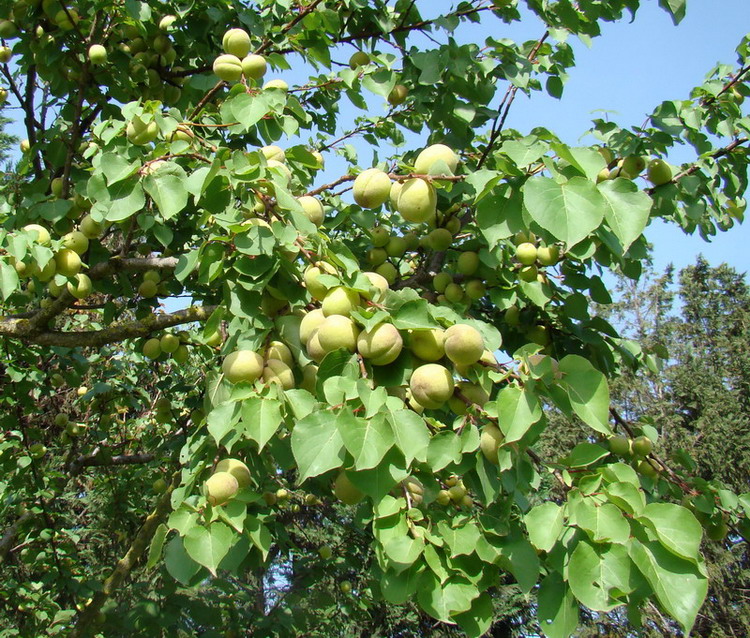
(102, 460)
(10, 534)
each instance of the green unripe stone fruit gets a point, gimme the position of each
(371, 188)
(5, 54)
(522, 237)
(631, 166)
(539, 335)
(140, 133)
(25, 146)
(316, 289)
(7, 29)
(548, 255)
(381, 345)
(346, 491)
(619, 445)
(37, 450)
(457, 493)
(276, 371)
(395, 192)
(148, 289)
(273, 152)
(56, 186)
(380, 283)
(475, 289)
(276, 84)
(152, 349)
(159, 486)
(337, 332)
(443, 497)
(717, 531)
(152, 275)
(314, 350)
(312, 208)
(396, 247)
(309, 324)
(92, 229)
(642, 446)
(464, 344)
(490, 441)
(441, 281)
(169, 343)
(467, 263)
(428, 345)
(81, 288)
(325, 552)
(526, 253)
(398, 95)
(659, 172)
(431, 385)
(236, 42)
(380, 235)
(228, 68)
(440, 239)
(68, 262)
(61, 420)
(417, 201)
(254, 66)
(437, 152)
(220, 488)
(360, 58)
(237, 469)
(76, 241)
(388, 272)
(376, 256)
(648, 468)
(181, 355)
(41, 233)
(73, 429)
(281, 352)
(528, 273)
(454, 293)
(97, 54)
(345, 587)
(242, 365)
(340, 301)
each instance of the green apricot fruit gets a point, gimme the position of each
(228, 68)
(475, 289)
(346, 491)
(61, 420)
(441, 281)
(312, 273)
(548, 255)
(436, 152)
(273, 152)
(475, 393)
(237, 469)
(659, 172)
(148, 289)
(220, 488)
(454, 293)
(312, 208)
(388, 272)
(631, 166)
(642, 446)
(396, 247)
(242, 365)
(528, 273)
(279, 351)
(276, 371)
(169, 343)
(25, 146)
(140, 133)
(457, 492)
(68, 262)
(276, 84)
(8, 29)
(76, 241)
(309, 324)
(439, 239)
(37, 450)
(380, 283)
(526, 253)
(345, 586)
(236, 42)
(56, 186)
(3, 95)
(254, 66)
(152, 348)
(314, 350)
(340, 301)
(360, 58)
(428, 345)
(97, 54)
(372, 188)
(539, 335)
(395, 192)
(380, 235)
(90, 228)
(377, 256)
(325, 552)
(464, 344)
(490, 441)
(398, 95)
(381, 345)
(619, 445)
(717, 531)
(73, 429)
(417, 201)
(522, 237)
(338, 331)
(181, 354)
(159, 486)
(467, 263)
(431, 385)
(648, 468)
(443, 497)
(41, 236)
(5, 54)
(82, 287)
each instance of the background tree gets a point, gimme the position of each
(235, 401)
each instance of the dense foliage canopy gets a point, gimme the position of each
(245, 395)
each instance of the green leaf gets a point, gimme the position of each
(168, 192)
(544, 524)
(414, 315)
(587, 160)
(157, 544)
(477, 621)
(261, 417)
(403, 550)
(442, 601)
(8, 279)
(444, 448)
(585, 454)
(398, 587)
(517, 409)
(570, 211)
(675, 8)
(123, 200)
(222, 419)
(680, 585)
(461, 540)
(410, 434)
(367, 440)
(259, 535)
(627, 497)
(557, 610)
(605, 522)
(178, 563)
(186, 264)
(523, 561)
(626, 209)
(676, 527)
(588, 392)
(586, 578)
(208, 546)
(317, 445)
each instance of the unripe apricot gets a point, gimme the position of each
(236, 42)
(82, 287)
(152, 349)
(457, 493)
(380, 235)
(377, 281)
(97, 54)
(522, 237)
(526, 253)
(431, 385)
(316, 289)
(464, 344)
(396, 247)
(276, 84)
(220, 488)
(619, 445)
(475, 289)
(388, 272)
(276, 371)
(649, 468)
(338, 331)
(228, 68)
(395, 192)
(371, 188)
(273, 152)
(441, 280)
(314, 350)
(417, 201)
(467, 263)
(539, 335)
(490, 441)
(140, 133)
(42, 234)
(642, 446)
(528, 273)
(92, 229)
(382, 345)
(454, 293)
(340, 301)
(548, 255)
(439, 239)
(360, 58)
(434, 153)
(346, 491)
(76, 241)
(309, 378)
(242, 365)
(254, 66)
(398, 95)
(148, 289)
(428, 345)
(310, 323)
(475, 393)
(312, 208)
(280, 351)
(377, 256)
(67, 262)
(659, 172)
(631, 166)
(169, 343)
(5, 54)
